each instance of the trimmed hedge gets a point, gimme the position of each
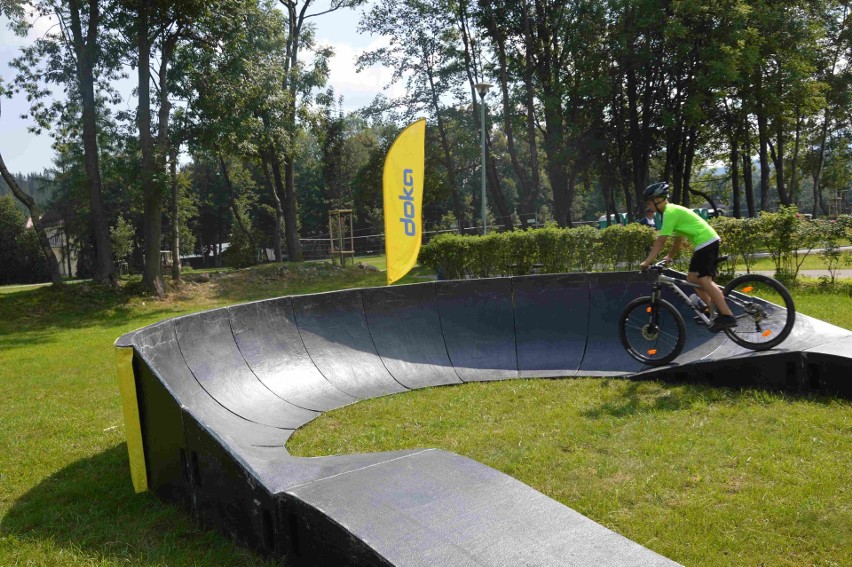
(585, 249)
(545, 250)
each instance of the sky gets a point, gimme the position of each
(25, 152)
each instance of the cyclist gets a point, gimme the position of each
(681, 223)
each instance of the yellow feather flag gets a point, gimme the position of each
(403, 199)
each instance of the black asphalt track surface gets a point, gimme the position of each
(220, 392)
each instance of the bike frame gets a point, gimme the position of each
(661, 280)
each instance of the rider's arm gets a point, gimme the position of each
(655, 251)
(678, 242)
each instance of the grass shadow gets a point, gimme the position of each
(89, 510)
(34, 316)
(644, 396)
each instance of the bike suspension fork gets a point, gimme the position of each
(656, 291)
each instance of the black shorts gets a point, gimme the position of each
(704, 260)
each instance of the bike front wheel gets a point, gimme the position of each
(761, 323)
(652, 332)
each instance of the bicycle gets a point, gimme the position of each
(653, 331)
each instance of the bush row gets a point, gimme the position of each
(786, 235)
(545, 250)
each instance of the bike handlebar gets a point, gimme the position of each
(658, 267)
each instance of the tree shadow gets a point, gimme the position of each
(89, 508)
(34, 316)
(644, 396)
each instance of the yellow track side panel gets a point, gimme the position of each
(132, 425)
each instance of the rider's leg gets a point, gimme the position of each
(709, 288)
(702, 268)
(692, 277)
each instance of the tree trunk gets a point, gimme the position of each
(176, 267)
(778, 160)
(167, 148)
(639, 133)
(554, 148)
(525, 203)
(291, 212)
(735, 175)
(676, 152)
(689, 155)
(152, 221)
(291, 221)
(818, 202)
(763, 141)
(279, 211)
(233, 205)
(748, 184)
(449, 165)
(794, 164)
(496, 190)
(35, 214)
(85, 51)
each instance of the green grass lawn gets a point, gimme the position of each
(702, 475)
(812, 261)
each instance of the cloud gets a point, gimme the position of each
(359, 88)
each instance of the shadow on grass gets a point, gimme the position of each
(648, 397)
(89, 509)
(34, 316)
(277, 280)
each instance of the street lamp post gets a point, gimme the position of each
(482, 88)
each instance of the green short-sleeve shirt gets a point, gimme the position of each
(680, 221)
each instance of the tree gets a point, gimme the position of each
(425, 59)
(236, 98)
(835, 71)
(513, 65)
(35, 213)
(298, 84)
(122, 235)
(82, 57)
(157, 26)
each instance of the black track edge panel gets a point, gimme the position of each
(551, 315)
(207, 344)
(609, 293)
(220, 392)
(334, 329)
(406, 330)
(270, 342)
(479, 328)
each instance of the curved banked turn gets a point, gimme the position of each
(219, 393)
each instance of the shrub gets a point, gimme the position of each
(520, 252)
(831, 233)
(446, 255)
(550, 248)
(553, 249)
(780, 232)
(623, 247)
(582, 244)
(619, 247)
(740, 240)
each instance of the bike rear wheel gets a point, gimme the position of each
(761, 325)
(653, 333)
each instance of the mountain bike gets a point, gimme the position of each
(653, 331)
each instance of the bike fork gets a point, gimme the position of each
(654, 309)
